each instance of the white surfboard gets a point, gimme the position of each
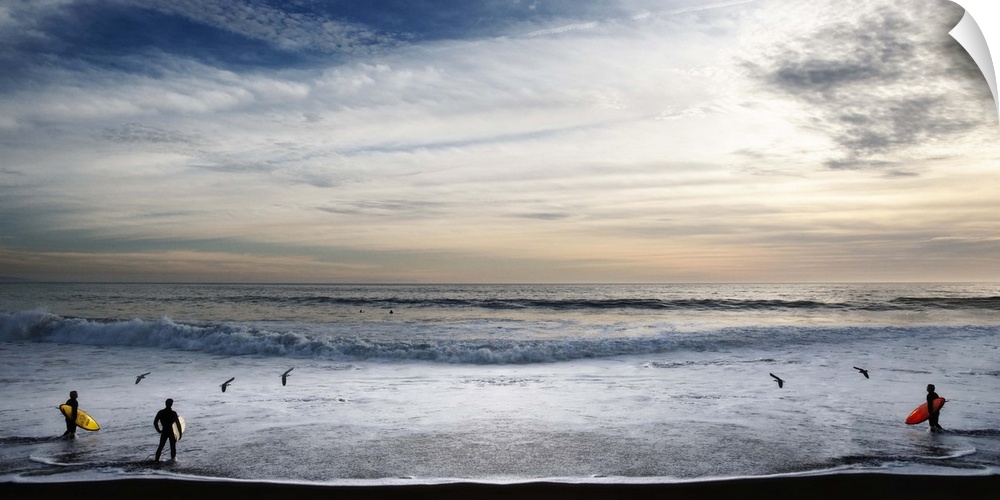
(178, 427)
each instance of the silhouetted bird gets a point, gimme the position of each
(140, 377)
(863, 371)
(781, 383)
(284, 376)
(226, 384)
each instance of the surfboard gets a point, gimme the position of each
(83, 420)
(178, 433)
(920, 414)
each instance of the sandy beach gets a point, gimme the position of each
(854, 486)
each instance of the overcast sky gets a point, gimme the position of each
(494, 141)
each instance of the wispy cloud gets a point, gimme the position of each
(510, 141)
(286, 29)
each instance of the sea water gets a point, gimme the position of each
(499, 383)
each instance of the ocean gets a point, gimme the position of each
(424, 384)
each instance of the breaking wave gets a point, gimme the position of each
(474, 344)
(605, 304)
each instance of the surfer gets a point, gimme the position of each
(167, 418)
(71, 418)
(931, 410)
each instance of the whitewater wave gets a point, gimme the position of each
(237, 339)
(390, 341)
(605, 304)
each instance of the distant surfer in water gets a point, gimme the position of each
(167, 418)
(71, 419)
(933, 412)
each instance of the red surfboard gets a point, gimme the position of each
(921, 413)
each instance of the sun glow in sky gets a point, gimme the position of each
(495, 141)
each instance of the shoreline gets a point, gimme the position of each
(839, 486)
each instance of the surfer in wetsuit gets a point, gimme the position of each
(167, 418)
(933, 412)
(71, 419)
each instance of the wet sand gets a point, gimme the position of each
(839, 486)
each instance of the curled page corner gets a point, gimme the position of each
(977, 37)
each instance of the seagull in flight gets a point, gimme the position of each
(863, 371)
(226, 384)
(140, 377)
(284, 376)
(781, 383)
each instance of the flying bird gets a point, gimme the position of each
(781, 383)
(226, 384)
(863, 371)
(140, 377)
(284, 376)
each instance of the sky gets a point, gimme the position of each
(528, 141)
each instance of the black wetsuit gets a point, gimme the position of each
(71, 419)
(166, 418)
(934, 413)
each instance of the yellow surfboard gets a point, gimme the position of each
(83, 420)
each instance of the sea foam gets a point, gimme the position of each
(470, 343)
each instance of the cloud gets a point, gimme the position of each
(129, 36)
(136, 133)
(241, 34)
(443, 145)
(286, 29)
(550, 216)
(878, 79)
